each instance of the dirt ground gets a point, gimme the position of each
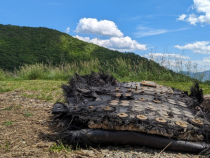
(26, 131)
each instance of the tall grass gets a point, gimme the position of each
(59, 72)
(2, 74)
(180, 64)
(122, 69)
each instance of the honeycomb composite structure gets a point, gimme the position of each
(101, 110)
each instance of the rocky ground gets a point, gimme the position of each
(26, 131)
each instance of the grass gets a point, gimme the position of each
(122, 69)
(59, 148)
(8, 123)
(65, 148)
(4, 87)
(9, 108)
(12, 107)
(6, 146)
(27, 114)
(41, 89)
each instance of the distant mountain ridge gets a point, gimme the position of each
(203, 76)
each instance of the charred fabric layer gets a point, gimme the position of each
(136, 113)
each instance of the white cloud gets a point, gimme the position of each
(207, 59)
(86, 39)
(167, 55)
(147, 31)
(202, 7)
(182, 17)
(192, 19)
(201, 47)
(150, 33)
(67, 30)
(102, 27)
(116, 43)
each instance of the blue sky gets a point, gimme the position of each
(172, 29)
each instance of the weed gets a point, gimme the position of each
(13, 107)
(7, 145)
(9, 108)
(17, 106)
(27, 114)
(60, 147)
(78, 147)
(8, 123)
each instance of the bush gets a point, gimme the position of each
(32, 72)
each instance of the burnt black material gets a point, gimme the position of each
(105, 137)
(88, 86)
(196, 92)
(59, 108)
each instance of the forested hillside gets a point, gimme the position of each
(28, 45)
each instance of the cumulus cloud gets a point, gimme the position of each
(182, 17)
(116, 40)
(201, 47)
(202, 7)
(67, 30)
(192, 19)
(116, 43)
(102, 27)
(167, 55)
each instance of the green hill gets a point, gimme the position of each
(28, 45)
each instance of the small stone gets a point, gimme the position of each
(105, 151)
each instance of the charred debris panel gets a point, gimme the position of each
(101, 110)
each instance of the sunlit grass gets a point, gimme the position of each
(122, 69)
(40, 89)
(59, 148)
